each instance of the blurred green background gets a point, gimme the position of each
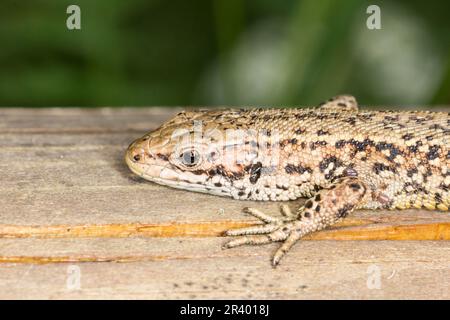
(223, 52)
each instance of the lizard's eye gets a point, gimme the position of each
(190, 158)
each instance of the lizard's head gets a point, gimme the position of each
(204, 151)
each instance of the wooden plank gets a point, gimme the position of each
(174, 268)
(66, 196)
(70, 120)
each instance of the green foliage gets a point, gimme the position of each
(222, 52)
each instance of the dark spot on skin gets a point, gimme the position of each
(339, 144)
(393, 151)
(162, 156)
(391, 118)
(308, 204)
(322, 132)
(350, 120)
(300, 131)
(217, 184)
(255, 172)
(323, 165)
(301, 116)
(315, 144)
(293, 141)
(438, 198)
(220, 170)
(317, 208)
(407, 136)
(433, 152)
(212, 156)
(417, 119)
(307, 214)
(411, 172)
(290, 169)
(361, 145)
(343, 212)
(415, 148)
(365, 116)
(355, 186)
(436, 127)
(317, 197)
(393, 154)
(427, 174)
(416, 188)
(241, 193)
(378, 167)
(342, 104)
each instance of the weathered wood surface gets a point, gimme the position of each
(67, 200)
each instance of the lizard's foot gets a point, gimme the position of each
(323, 210)
(285, 228)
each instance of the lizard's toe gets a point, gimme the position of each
(286, 231)
(270, 224)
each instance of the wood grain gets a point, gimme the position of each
(66, 197)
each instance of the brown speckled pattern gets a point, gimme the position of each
(339, 157)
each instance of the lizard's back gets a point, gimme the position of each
(404, 155)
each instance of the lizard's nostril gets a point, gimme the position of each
(137, 157)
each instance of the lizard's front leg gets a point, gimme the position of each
(323, 210)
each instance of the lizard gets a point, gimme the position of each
(339, 157)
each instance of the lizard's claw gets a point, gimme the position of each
(274, 229)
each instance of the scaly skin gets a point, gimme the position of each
(341, 158)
